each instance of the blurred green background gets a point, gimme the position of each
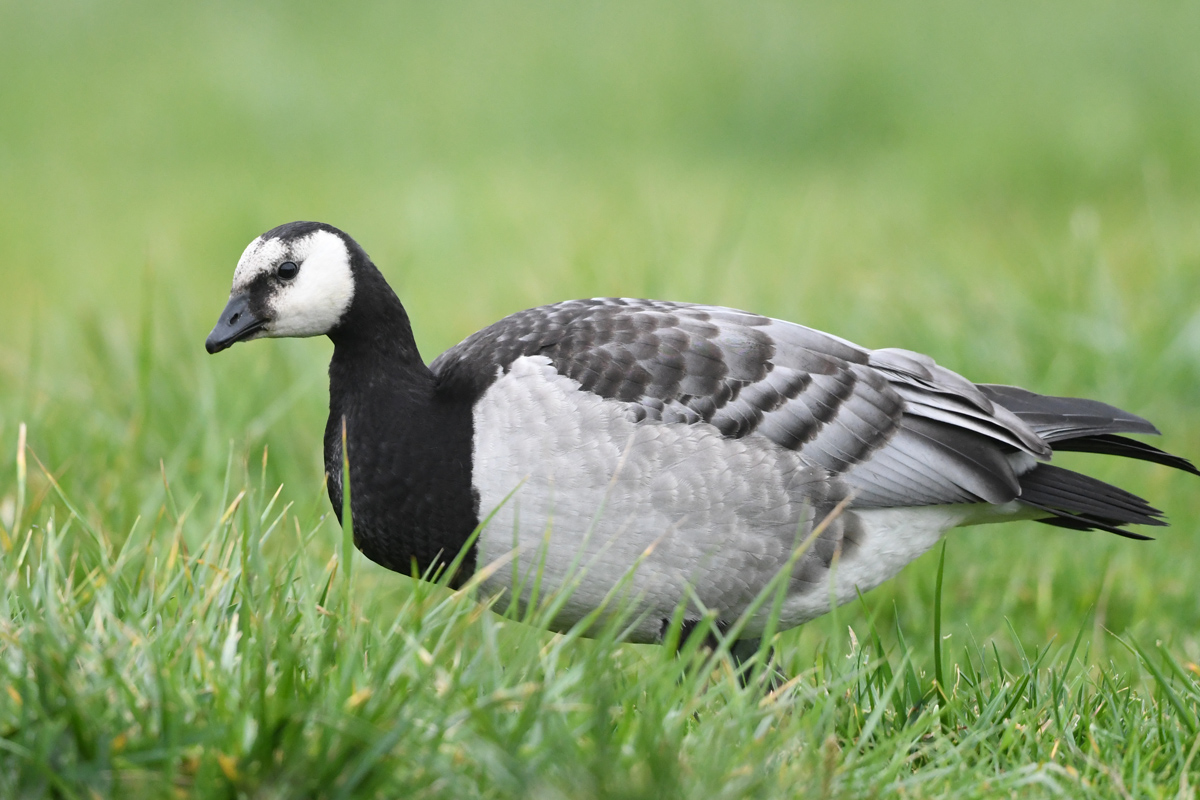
(1013, 189)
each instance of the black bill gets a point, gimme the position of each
(238, 321)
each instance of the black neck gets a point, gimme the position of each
(409, 447)
(376, 324)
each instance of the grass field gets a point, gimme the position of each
(1013, 190)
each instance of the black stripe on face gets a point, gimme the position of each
(259, 292)
(246, 313)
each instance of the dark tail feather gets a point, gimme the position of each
(1086, 426)
(1082, 524)
(1083, 426)
(1111, 445)
(1058, 418)
(1077, 501)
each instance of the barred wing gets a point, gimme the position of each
(901, 430)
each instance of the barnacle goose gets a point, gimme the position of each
(687, 449)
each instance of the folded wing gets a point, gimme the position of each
(898, 428)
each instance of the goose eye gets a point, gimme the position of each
(287, 270)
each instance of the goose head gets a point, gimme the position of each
(294, 280)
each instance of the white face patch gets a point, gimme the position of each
(313, 302)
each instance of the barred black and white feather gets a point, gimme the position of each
(903, 430)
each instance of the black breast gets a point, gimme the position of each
(413, 506)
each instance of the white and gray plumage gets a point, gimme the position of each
(689, 447)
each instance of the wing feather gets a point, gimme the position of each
(899, 428)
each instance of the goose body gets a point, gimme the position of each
(682, 454)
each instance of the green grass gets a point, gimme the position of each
(1014, 191)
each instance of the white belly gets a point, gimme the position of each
(891, 538)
